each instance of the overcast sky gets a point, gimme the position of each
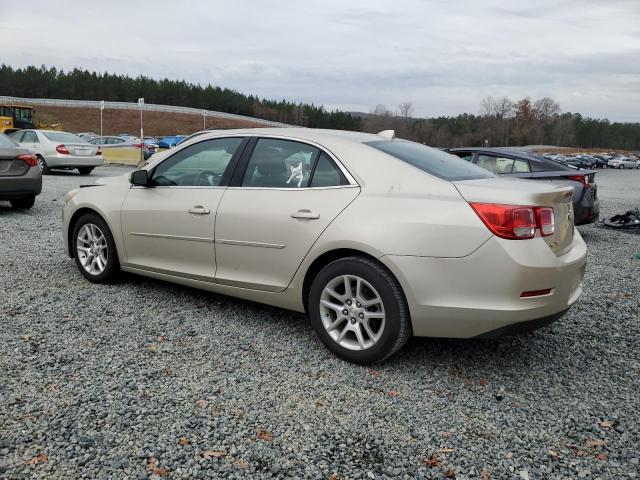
(443, 56)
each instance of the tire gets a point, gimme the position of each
(43, 165)
(391, 322)
(103, 239)
(23, 203)
(621, 166)
(85, 170)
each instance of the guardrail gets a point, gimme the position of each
(150, 107)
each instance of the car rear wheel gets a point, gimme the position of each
(621, 166)
(94, 249)
(85, 170)
(358, 310)
(42, 164)
(23, 203)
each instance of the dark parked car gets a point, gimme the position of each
(579, 161)
(513, 163)
(20, 175)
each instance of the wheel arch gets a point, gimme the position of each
(327, 257)
(74, 219)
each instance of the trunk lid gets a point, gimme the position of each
(511, 191)
(81, 149)
(10, 166)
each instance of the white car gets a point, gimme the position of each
(60, 150)
(623, 162)
(375, 238)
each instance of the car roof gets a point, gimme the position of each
(311, 134)
(499, 151)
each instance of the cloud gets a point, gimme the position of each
(444, 56)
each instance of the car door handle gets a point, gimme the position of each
(199, 210)
(305, 215)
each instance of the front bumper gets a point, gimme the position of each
(470, 296)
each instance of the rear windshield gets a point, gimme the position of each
(6, 142)
(63, 137)
(431, 160)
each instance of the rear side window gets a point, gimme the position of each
(495, 164)
(30, 137)
(17, 136)
(430, 160)
(326, 174)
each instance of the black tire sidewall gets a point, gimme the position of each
(45, 168)
(85, 170)
(394, 311)
(23, 203)
(113, 266)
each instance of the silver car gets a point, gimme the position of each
(60, 150)
(624, 162)
(375, 238)
(109, 142)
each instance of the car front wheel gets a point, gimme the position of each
(94, 249)
(358, 310)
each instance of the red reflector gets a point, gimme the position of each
(29, 159)
(546, 221)
(62, 149)
(535, 293)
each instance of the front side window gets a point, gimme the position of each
(30, 137)
(430, 160)
(277, 163)
(199, 165)
(17, 136)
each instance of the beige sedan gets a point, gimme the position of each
(374, 237)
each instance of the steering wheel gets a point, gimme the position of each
(207, 178)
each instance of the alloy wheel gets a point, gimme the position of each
(352, 312)
(91, 248)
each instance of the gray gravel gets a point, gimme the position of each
(142, 378)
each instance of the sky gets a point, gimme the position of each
(442, 56)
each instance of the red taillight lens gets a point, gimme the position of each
(29, 159)
(535, 293)
(137, 145)
(546, 221)
(62, 149)
(99, 151)
(580, 178)
(515, 222)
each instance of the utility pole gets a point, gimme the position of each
(101, 110)
(204, 119)
(141, 104)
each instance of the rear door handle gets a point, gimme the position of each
(305, 215)
(199, 210)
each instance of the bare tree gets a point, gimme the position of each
(382, 111)
(406, 109)
(545, 108)
(497, 107)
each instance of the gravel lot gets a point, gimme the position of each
(148, 379)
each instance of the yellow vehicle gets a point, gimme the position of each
(17, 117)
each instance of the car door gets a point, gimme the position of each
(169, 226)
(283, 196)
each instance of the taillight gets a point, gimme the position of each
(99, 151)
(137, 145)
(546, 221)
(515, 222)
(62, 149)
(29, 159)
(580, 178)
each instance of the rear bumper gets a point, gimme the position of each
(470, 296)
(23, 186)
(72, 161)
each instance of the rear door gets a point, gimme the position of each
(283, 196)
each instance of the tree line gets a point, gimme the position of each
(78, 84)
(504, 123)
(501, 121)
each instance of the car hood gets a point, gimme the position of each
(113, 180)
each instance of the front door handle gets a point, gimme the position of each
(305, 215)
(199, 210)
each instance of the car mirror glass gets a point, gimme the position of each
(139, 178)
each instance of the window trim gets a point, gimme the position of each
(243, 163)
(228, 171)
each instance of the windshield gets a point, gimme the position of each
(63, 137)
(431, 160)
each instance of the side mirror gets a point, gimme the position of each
(139, 178)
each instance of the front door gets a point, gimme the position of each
(168, 227)
(289, 193)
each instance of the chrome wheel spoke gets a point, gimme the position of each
(92, 249)
(349, 303)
